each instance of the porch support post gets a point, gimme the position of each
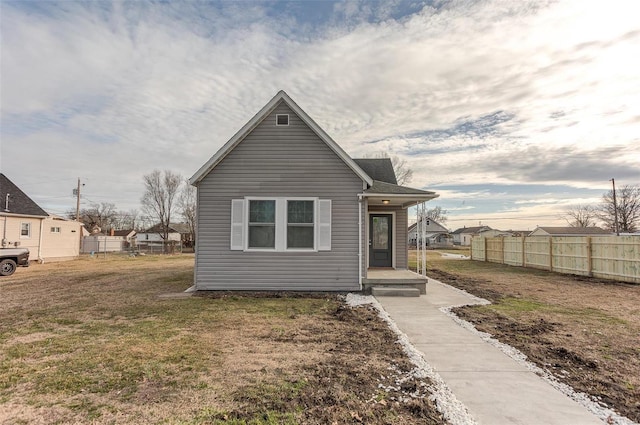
(360, 221)
(424, 241)
(418, 241)
(417, 238)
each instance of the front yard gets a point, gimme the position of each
(585, 331)
(91, 341)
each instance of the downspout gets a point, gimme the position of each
(360, 241)
(4, 233)
(40, 241)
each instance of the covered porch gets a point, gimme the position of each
(386, 237)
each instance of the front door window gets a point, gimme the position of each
(380, 237)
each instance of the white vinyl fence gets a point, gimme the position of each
(102, 244)
(609, 257)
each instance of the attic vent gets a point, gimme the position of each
(282, 119)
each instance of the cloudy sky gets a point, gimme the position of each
(512, 110)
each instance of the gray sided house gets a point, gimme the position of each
(282, 207)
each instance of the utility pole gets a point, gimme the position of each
(77, 193)
(78, 201)
(615, 207)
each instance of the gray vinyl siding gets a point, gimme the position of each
(283, 161)
(402, 245)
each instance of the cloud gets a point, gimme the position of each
(466, 91)
(560, 164)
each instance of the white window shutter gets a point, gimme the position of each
(324, 225)
(237, 224)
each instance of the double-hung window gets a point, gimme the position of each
(25, 230)
(300, 224)
(281, 224)
(262, 224)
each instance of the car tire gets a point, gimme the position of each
(7, 267)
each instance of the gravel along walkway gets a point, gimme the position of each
(478, 382)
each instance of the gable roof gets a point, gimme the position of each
(281, 96)
(574, 230)
(378, 169)
(19, 202)
(433, 224)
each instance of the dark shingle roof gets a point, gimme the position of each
(122, 232)
(389, 188)
(175, 227)
(19, 202)
(380, 169)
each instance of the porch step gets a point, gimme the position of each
(385, 291)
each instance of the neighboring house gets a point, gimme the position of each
(463, 235)
(436, 235)
(569, 231)
(178, 233)
(282, 207)
(493, 233)
(127, 235)
(25, 224)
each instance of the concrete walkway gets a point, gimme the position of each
(495, 388)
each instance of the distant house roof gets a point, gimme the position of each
(519, 232)
(572, 231)
(380, 169)
(471, 230)
(19, 202)
(123, 232)
(173, 228)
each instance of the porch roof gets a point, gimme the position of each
(383, 193)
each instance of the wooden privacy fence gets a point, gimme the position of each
(609, 257)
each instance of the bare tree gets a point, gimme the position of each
(437, 214)
(126, 220)
(403, 172)
(102, 216)
(581, 216)
(161, 189)
(187, 204)
(628, 208)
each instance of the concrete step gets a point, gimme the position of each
(382, 291)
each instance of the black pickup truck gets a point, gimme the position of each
(10, 258)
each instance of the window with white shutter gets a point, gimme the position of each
(237, 224)
(281, 224)
(324, 225)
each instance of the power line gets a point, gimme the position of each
(504, 218)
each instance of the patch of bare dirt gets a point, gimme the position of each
(586, 332)
(345, 367)
(475, 286)
(206, 359)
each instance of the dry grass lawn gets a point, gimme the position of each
(91, 341)
(584, 331)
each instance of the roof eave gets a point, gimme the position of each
(10, 214)
(426, 196)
